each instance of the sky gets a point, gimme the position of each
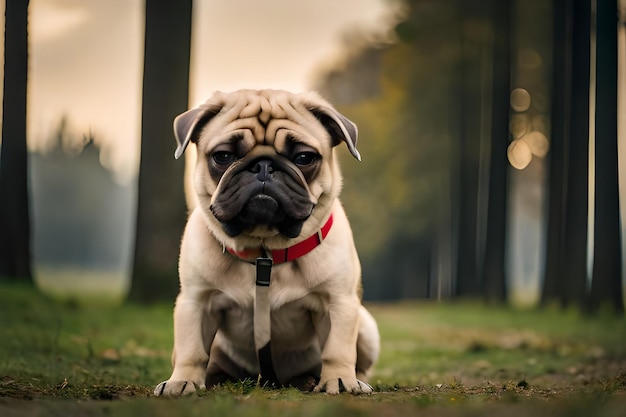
(86, 59)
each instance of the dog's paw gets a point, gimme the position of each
(336, 385)
(174, 388)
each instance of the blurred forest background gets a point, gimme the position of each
(492, 135)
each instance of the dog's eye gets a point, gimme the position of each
(223, 157)
(305, 158)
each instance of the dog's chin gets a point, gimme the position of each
(263, 232)
(235, 228)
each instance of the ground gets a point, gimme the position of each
(445, 359)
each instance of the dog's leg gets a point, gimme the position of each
(368, 344)
(194, 331)
(339, 349)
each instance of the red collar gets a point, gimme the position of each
(291, 253)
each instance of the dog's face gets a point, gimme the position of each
(265, 171)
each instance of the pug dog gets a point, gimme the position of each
(267, 182)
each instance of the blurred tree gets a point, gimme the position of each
(494, 287)
(418, 105)
(565, 277)
(561, 82)
(474, 33)
(64, 206)
(574, 261)
(15, 254)
(430, 130)
(433, 115)
(161, 211)
(392, 182)
(431, 125)
(606, 284)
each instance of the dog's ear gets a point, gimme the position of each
(187, 125)
(338, 126)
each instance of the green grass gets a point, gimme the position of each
(66, 358)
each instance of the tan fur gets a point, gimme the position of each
(318, 322)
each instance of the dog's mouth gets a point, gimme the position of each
(263, 209)
(265, 192)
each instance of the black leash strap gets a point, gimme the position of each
(262, 322)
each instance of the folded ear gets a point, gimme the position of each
(187, 125)
(338, 126)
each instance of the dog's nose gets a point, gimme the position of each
(263, 169)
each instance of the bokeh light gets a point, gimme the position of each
(537, 142)
(519, 125)
(520, 100)
(519, 154)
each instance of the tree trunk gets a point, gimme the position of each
(565, 276)
(561, 94)
(161, 211)
(606, 284)
(467, 282)
(573, 276)
(494, 275)
(15, 255)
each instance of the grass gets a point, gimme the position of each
(65, 358)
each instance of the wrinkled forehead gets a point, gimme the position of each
(269, 116)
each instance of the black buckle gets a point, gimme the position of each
(263, 271)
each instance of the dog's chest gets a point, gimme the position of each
(293, 309)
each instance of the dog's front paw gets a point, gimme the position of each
(336, 385)
(174, 388)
